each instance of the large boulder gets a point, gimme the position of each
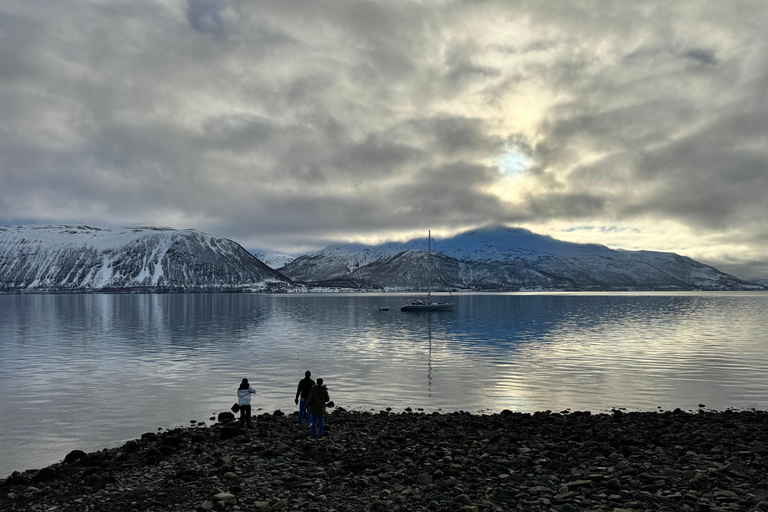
(225, 417)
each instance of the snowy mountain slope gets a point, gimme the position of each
(501, 258)
(506, 244)
(87, 259)
(273, 260)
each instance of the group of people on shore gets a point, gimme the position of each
(311, 397)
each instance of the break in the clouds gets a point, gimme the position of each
(291, 124)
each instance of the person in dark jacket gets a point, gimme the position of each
(305, 386)
(316, 401)
(244, 393)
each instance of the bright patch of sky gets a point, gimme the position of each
(512, 162)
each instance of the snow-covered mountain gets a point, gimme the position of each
(500, 258)
(88, 259)
(273, 259)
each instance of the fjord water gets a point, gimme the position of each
(91, 371)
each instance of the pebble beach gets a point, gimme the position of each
(413, 461)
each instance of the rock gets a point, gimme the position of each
(424, 478)
(225, 417)
(225, 497)
(153, 456)
(229, 433)
(757, 447)
(564, 497)
(462, 499)
(45, 475)
(73, 456)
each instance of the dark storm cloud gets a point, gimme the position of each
(241, 132)
(446, 191)
(452, 136)
(205, 16)
(701, 55)
(303, 121)
(375, 154)
(567, 205)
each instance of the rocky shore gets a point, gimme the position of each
(566, 462)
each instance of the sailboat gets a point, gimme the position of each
(426, 303)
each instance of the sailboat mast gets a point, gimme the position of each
(429, 262)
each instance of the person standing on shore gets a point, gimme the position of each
(305, 386)
(244, 393)
(316, 401)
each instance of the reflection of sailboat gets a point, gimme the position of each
(429, 358)
(426, 303)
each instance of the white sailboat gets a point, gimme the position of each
(426, 303)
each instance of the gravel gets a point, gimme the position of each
(412, 461)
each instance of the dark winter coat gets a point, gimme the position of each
(305, 386)
(318, 397)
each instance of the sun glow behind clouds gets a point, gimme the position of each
(513, 181)
(512, 161)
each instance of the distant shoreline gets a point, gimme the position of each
(333, 291)
(671, 460)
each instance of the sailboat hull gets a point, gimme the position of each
(431, 306)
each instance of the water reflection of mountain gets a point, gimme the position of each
(514, 319)
(486, 325)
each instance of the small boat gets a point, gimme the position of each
(426, 303)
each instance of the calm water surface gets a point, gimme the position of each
(91, 371)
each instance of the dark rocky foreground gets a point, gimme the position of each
(669, 461)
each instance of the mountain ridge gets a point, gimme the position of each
(80, 258)
(83, 259)
(499, 258)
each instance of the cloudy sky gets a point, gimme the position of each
(291, 124)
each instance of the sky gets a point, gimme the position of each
(289, 125)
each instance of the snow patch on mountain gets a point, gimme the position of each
(272, 259)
